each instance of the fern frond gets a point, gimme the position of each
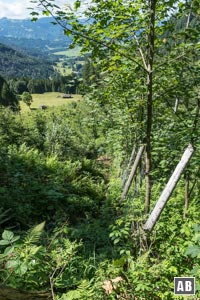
(83, 292)
(71, 295)
(34, 234)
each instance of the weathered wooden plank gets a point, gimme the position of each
(128, 167)
(169, 188)
(132, 173)
(176, 105)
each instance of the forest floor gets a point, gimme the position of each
(48, 99)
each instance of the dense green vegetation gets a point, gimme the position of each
(51, 171)
(63, 84)
(7, 97)
(64, 228)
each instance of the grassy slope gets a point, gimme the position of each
(62, 70)
(70, 52)
(49, 99)
(66, 56)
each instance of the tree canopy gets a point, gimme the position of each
(147, 55)
(7, 97)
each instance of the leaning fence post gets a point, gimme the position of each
(169, 188)
(132, 173)
(128, 167)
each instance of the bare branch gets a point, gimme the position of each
(141, 52)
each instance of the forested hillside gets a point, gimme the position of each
(100, 197)
(14, 64)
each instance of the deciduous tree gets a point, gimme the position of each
(27, 98)
(140, 41)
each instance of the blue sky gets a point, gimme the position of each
(17, 9)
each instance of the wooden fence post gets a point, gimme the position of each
(176, 105)
(132, 173)
(169, 188)
(128, 167)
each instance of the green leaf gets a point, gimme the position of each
(34, 234)
(193, 251)
(16, 238)
(33, 13)
(4, 242)
(116, 241)
(46, 13)
(23, 269)
(195, 270)
(12, 264)
(7, 235)
(9, 250)
(196, 228)
(77, 4)
(34, 250)
(34, 19)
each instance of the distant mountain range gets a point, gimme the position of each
(42, 29)
(37, 38)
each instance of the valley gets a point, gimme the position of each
(34, 58)
(40, 46)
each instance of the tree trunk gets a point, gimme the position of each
(8, 293)
(151, 39)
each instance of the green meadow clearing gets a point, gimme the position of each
(48, 99)
(63, 70)
(64, 65)
(70, 52)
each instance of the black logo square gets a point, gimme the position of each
(184, 285)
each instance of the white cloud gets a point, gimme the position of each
(18, 9)
(14, 9)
